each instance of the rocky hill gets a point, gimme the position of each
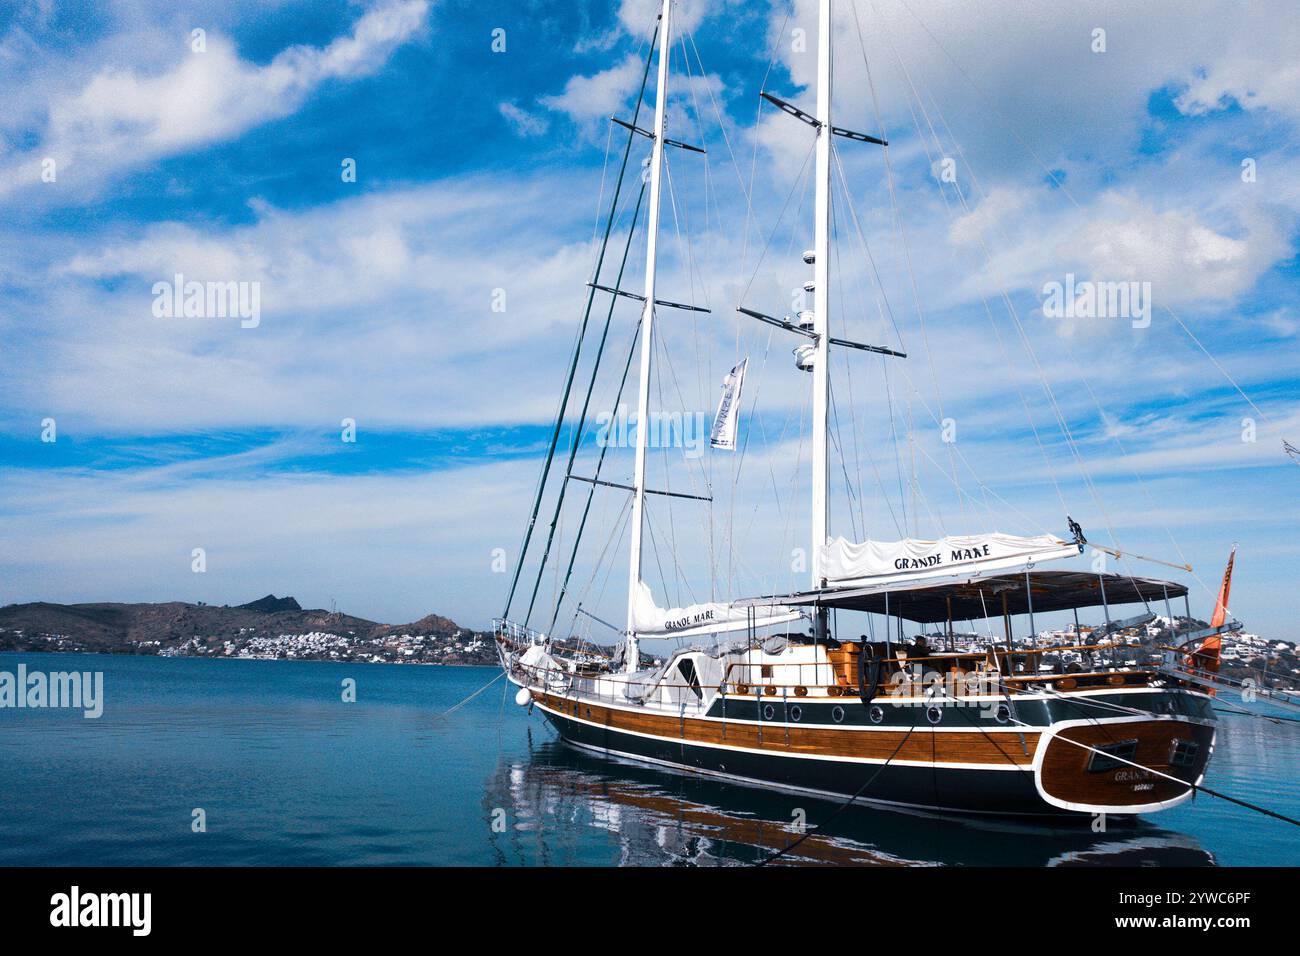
(267, 628)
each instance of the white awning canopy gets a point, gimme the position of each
(846, 563)
(651, 621)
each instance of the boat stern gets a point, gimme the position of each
(1122, 766)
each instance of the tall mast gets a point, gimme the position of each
(821, 299)
(632, 653)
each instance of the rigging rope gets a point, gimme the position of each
(580, 426)
(577, 348)
(1060, 185)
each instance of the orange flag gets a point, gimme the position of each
(1221, 605)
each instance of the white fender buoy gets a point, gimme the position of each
(523, 697)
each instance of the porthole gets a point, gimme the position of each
(877, 713)
(933, 715)
(768, 712)
(796, 712)
(1004, 713)
(837, 714)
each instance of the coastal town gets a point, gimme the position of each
(459, 647)
(278, 629)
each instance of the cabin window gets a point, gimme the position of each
(1183, 753)
(765, 669)
(1112, 756)
(686, 667)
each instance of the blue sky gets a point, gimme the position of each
(480, 170)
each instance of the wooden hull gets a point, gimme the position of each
(961, 759)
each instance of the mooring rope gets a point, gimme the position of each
(452, 710)
(836, 812)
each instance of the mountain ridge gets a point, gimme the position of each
(269, 627)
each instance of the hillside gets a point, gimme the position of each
(268, 628)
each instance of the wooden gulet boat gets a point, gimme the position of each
(1006, 729)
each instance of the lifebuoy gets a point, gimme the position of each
(868, 673)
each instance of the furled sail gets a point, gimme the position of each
(650, 620)
(882, 562)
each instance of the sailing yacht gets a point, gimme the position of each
(768, 694)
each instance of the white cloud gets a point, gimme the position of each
(992, 212)
(406, 278)
(122, 118)
(1184, 259)
(523, 122)
(638, 16)
(600, 95)
(998, 73)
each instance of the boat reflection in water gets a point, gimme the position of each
(657, 817)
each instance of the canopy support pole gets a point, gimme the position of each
(888, 642)
(949, 601)
(1106, 610)
(1006, 622)
(1029, 596)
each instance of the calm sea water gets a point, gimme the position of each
(287, 773)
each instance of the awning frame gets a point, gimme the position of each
(927, 602)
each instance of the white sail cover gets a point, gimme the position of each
(650, 620)
(728, 417)
(882, 562)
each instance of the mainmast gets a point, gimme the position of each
(632, 652)
(821, 303)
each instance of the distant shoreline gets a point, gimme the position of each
(260, 660)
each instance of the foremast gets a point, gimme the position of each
(632, 650)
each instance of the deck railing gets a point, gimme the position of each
(903, 675)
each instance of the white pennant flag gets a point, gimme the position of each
(728, 417)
